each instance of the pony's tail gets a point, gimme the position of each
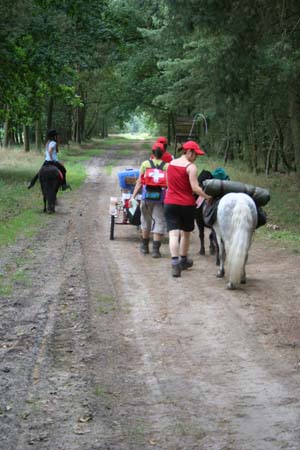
(241, 236)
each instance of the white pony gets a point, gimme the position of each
(234, 227)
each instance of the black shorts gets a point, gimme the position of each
(179, 217)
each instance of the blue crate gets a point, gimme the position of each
(128, 178)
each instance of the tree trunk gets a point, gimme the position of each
(38, 136)
(16, 137)
(82, 116)
(26, 138)
(253, 143)
(169, 128)
(70, 123)
(6, 133)
(295, 128)
(92, 125)
(78, 134)
(20, 134)
(268, 157)
(103, 127)
(226, 150)
(50, 113)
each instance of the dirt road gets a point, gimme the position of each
(101, 349)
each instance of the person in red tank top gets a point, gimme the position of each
(179, 206)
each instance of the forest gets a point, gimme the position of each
(86, 67)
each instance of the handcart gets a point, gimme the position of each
(120, 213)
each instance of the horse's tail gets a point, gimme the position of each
(241, 235)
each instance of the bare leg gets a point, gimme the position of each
(174, 236)
(157, 237)
(184, 243)
(145, 234)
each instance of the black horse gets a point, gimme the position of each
(213, 245)
(50, 179)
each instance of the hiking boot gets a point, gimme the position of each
(64, 187)
(186, 263)
(155, 250)
(145, 246)
(176, 270)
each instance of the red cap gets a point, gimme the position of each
(158, 145)
(192, 145)
(162, 140)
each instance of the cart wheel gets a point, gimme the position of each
(112, 227)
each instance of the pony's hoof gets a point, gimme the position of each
(231, 286)
(202, 251)
(243, 280)
(220, 274)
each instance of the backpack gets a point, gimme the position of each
(154, 183)
(220, 174)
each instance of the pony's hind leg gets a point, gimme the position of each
(231, 286)
(201, 237)
(222, 256)
(212, 243)
(213, 246)
(243, 277)
(200, 226)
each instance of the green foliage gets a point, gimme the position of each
(106, 61)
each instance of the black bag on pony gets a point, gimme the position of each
(261, 217)
(209, 212)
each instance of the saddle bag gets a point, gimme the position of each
(209, 212)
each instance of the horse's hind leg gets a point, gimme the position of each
(45, 202)
(243, 278)
(222, 255)
(213, 246)
(201, 233)
(217, 254)
(51, 202)
(231, 286)
(212, 243)
(201, 237)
